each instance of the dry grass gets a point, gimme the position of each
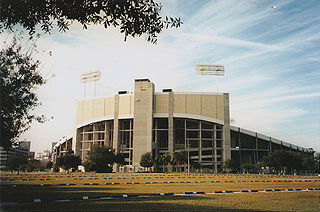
(284, 201)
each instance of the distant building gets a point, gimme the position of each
(32, 155)
(23, 147)
(53, 144)
(59, 150)
(159, 122)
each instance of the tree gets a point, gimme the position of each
(146, 160)
(259, 166)
(119, 159)
(49, 165)
(309, 163)
(17, 162)
(180, 158)
(246, 167)
(278, 160)
(68, 161)
(33, 165)
(229, 164)
(100, 159)
(165, 159)
(19, 78)
(157, 163)
(132, 17)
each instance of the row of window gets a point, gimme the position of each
(195, 133)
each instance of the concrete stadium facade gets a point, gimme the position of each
(159, 122)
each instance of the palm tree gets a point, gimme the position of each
(165, 158)
(179, 158)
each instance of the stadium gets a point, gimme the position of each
(158, 122)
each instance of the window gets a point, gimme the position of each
(90, 137)
(206, 143)
(179, 137)
(124, 139)
(207, 152)
(219, 143)
(219, 134)
(90, 128)
(178, 123)
(234, 139)
(194, 143)
(247, 141)
(162, 137)
(207, 134)
(124, 124)
(162, 123)
(192, 134)
(100, 136)
(206, 125)
(99, 126)
(192, 124)
(218, 127)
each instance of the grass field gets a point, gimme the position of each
(24, 188)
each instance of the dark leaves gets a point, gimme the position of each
(133, 17)
(18, 80)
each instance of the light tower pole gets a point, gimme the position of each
(90, 77)
(210, 69)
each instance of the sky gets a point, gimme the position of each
(270, 51)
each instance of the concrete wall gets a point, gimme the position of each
(95, 109)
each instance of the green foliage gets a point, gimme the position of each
(55, 168)
(19, 77)
(246, 167)
(119, 159)
(146, 160)
(180, 157)
(100, 159)
(163, 160)
(166, 158)
(309, 163)
(285, 160)
(68, 161)
(33, 165)
(230, 164)
(49, 165)
(132, 17)
(157, 163)
(17, 162)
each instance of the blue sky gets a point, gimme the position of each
(270, 50)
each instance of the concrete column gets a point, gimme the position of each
(170, 127)
(226, 153)
(239, 137)
(115, 142)
(200, 146)
(106, 134)
(130, 142)
(143, 119)
(170, 123)
(116, 124)
(270, 143)
(215, 149)
(256, 152)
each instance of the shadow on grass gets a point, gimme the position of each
(29, 193)
(172, 203)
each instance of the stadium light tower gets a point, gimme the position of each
(210, 69)
(90, 77)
